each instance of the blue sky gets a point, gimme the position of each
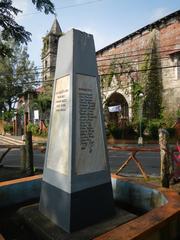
(107, 20)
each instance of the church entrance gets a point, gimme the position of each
(116, 110)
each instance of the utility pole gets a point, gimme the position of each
(140, 139)
(165, 157)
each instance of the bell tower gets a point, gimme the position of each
(49, 53)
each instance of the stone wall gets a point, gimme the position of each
(133, 49)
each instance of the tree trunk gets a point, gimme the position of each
(29, 150)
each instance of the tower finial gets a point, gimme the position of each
(56, 29)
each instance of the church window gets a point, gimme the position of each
(46, 63)
(47, 44)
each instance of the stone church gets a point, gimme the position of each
(153, 50)
(49, 52)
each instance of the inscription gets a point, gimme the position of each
(87, 115)
(90, 151)
(61, 100)
(58, 154)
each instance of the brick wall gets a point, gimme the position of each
(133, 49)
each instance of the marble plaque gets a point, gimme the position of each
(90, 150)
(58, 150)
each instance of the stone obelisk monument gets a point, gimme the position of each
(76, 186)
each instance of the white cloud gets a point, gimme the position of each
(159, 13)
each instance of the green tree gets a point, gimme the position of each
(151, 80)
(43, 104)
(10, 29)
(16, 76)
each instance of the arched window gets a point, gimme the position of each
(47, 44)
(175, 59)
(178, 67)
(46, 63)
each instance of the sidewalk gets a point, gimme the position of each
(10, 140)
(16, 140)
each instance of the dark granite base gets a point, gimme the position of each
(45, 229)
(76, 210)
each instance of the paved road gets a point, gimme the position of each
(150, 161)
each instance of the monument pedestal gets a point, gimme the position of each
(44, 228)
(76, 187)
(73, 211)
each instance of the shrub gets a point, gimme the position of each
(126, 132)
(8, 128)
(129, 132)
(171, 132)
(136, 126)
(44, 134)
(117, 133)
(8, 116)
(114, 131)
(153, 126)
(34, 128)
(36, 131)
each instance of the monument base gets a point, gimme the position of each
(45, 229)
(76, 210)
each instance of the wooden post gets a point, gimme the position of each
(29, 150)
(16, 125)
(165, 157)
(23, 158)
(26, 116)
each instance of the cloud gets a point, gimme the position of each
(159, 13)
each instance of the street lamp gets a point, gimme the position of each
(24, 121)
(3, 132)
(3, 115)
(16, 123)
(140, 139)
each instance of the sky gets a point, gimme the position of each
(107, 20)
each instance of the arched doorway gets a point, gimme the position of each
(117, 115)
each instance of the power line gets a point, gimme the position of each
(130, 62)
(107, 74)
(140, 70)
(135, 55)
(28, 72)
(47, 69)
(142, 49)
(98, 60)
(66, 7)
(130, 71)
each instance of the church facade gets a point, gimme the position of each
(151, 52)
